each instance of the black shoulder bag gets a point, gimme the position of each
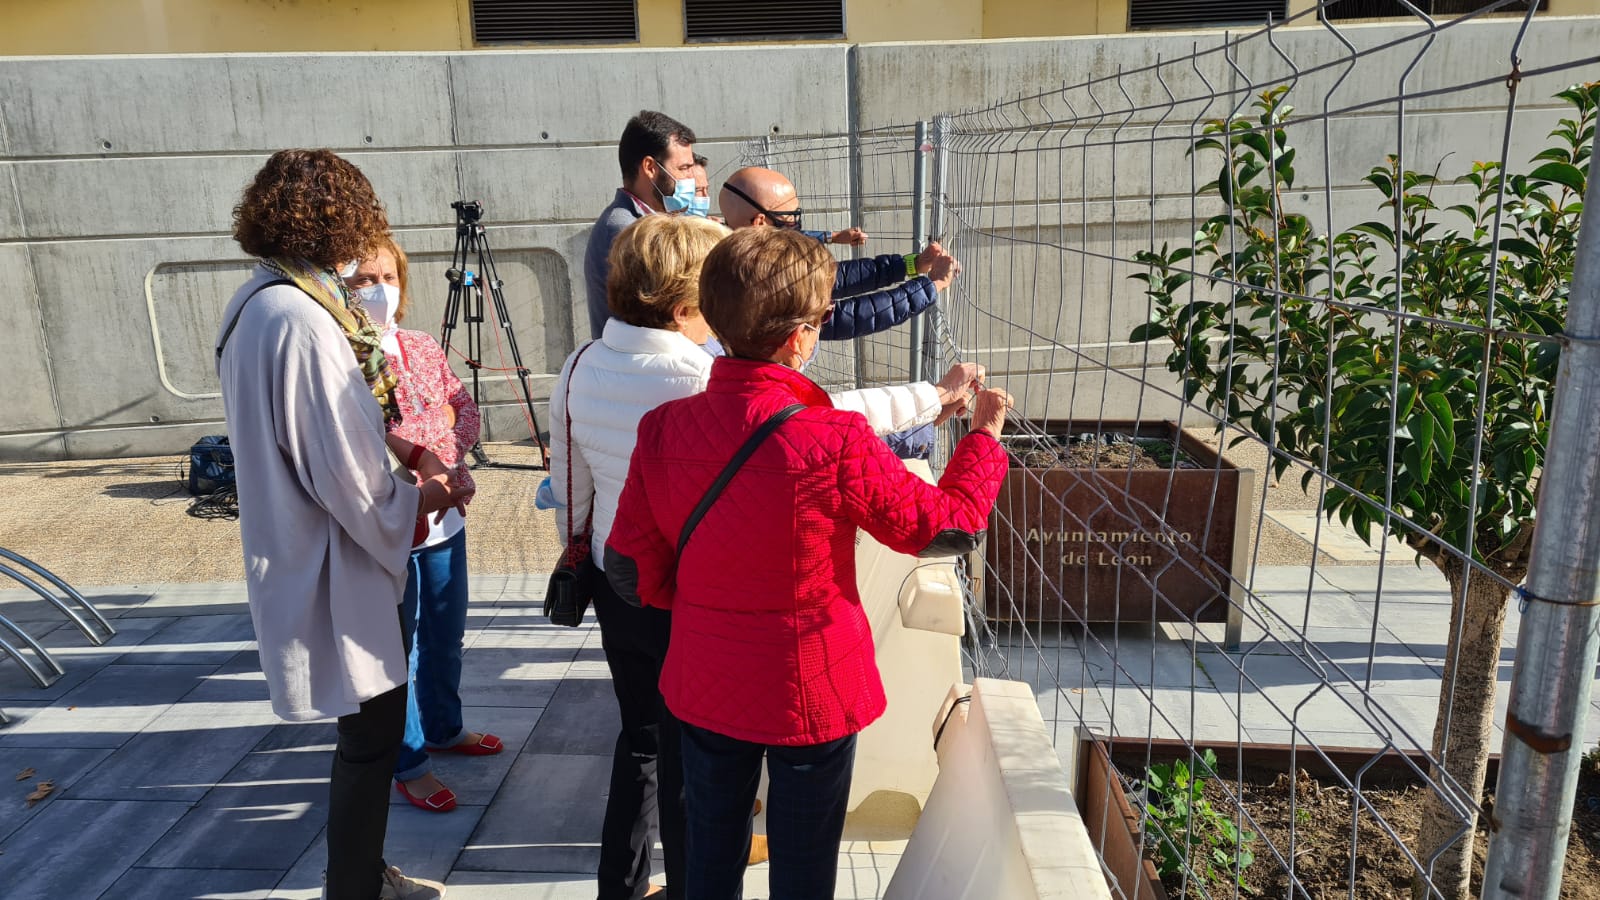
(573, 583)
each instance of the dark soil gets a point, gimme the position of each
(1321, 846)
(1094, 451)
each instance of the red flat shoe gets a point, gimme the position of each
(487, 745)
(442, 800)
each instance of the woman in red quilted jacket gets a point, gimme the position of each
(771, 656)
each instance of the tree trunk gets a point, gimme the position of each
(1464, 729)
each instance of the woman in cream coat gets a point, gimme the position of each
(326, 525)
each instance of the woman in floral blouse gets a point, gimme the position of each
(438, 413)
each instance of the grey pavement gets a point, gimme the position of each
(173, 779)
(1343, 656)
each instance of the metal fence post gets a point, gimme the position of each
(935, 328)
(858, 218)
(919, 213)
(1557, 640)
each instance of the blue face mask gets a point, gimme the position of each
(681, 197)
(699, 206)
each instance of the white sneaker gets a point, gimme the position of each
(397, 886)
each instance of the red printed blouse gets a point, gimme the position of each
(428, 392)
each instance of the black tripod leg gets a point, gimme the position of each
(458, 296)
(503, 317)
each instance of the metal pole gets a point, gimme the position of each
(935, 315)
(858, 217)
(919, 212)
(1557, 640)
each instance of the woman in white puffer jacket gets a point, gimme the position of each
(652, 351)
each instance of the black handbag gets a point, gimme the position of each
(576, 578)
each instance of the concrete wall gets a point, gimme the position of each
(118, 174)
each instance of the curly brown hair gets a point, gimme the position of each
(312, 205)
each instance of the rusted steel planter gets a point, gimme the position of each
(1091, 544)
(1113, 826)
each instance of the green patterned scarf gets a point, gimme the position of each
(328, 289)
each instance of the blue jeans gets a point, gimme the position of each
(808, 793)
(435, 607)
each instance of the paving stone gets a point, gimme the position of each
(1399, 576)
(112, 601)
(528, 627)
(422, 844)
(19, 711)
(47, 858)
(198, 884)
(194, 640)
(1293, 611)
(238, 679)
(195, 599)
(521, 886)
(527, 589)
(1282, 579)
(264, 812)
(1334, 539)
(63, 768)
(476, 779)
(108, 709)
(513, 676)
(545, 819)
(180, 757)
(259, 827)
(582, 718)
(80, 658)
(1133, 656)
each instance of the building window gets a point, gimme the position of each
(762, 20)
(1172, 14)
(554, 21)
(1376, 9)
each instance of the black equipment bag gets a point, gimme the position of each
(210, 465)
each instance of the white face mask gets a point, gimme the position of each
(380, 301)
(348, 270)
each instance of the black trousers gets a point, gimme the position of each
(647, 765)
(808, 794)
(358, 793)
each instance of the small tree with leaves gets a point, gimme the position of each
(1373, 354)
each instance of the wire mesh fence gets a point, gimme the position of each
(1281, 310)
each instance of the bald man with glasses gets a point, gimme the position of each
(870, 295)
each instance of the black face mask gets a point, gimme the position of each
(781, 218)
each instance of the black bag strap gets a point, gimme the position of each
(566, 415)
(228, 332)
(732, 469)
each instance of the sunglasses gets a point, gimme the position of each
(827, 316)
(780, 218)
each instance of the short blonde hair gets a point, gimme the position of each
(761, 284)
(655, 268)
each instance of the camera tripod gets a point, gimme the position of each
(467, 299)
